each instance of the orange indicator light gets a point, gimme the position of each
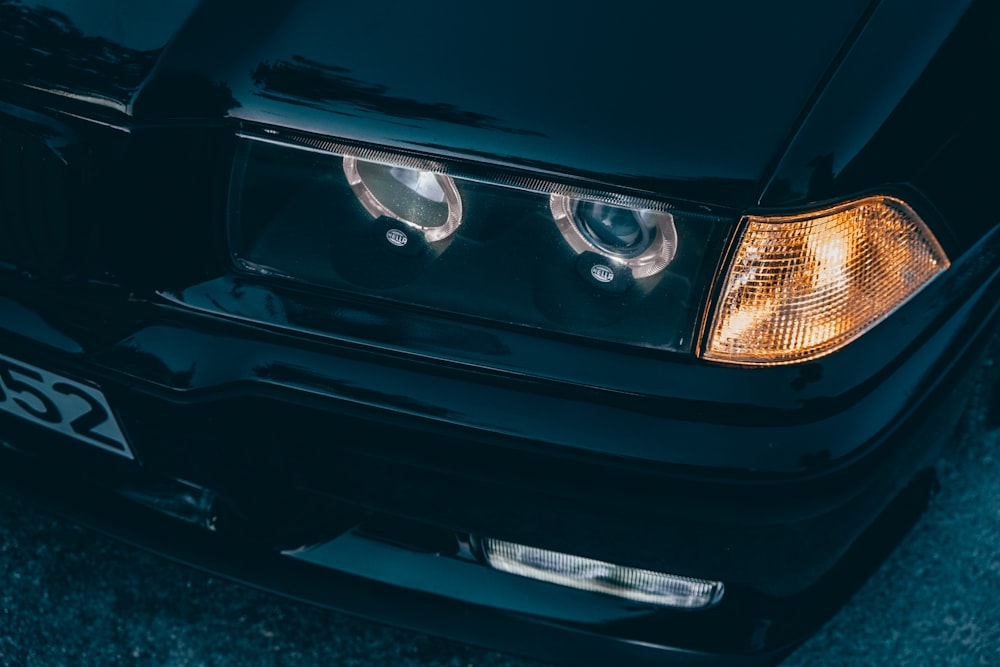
(802, 286)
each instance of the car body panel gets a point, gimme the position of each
(558, 82)
(100, 52)
(552, 86)
(900, 122)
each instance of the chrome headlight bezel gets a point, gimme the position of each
(377, 208)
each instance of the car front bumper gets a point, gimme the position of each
(356, 477)
(349, 453)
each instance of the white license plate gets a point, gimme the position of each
(63, 405)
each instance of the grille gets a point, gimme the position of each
(33, 233)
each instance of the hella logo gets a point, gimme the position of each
(602, 273)
(397, 238)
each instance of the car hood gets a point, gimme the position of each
(690, 100)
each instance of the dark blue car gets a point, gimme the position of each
(607, 334)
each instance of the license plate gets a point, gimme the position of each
(71, 408)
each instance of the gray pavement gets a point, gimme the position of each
(69, 596)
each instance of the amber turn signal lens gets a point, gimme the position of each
(802, 286)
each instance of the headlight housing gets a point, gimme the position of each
(426, 234)
(513, 249)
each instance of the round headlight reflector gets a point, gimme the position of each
(423, 200)
(644, 240)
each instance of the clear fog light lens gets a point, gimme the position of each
(641, 239)
(593, 575)
(421, 199)
(802, 286)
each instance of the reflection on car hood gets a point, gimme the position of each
(695, 99)
(100, 51)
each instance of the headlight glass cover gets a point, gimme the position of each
(519, 250)
(510, 249)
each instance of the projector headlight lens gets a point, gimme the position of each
(423, 200)
(644, 240)
(802, 286)
(619, 231)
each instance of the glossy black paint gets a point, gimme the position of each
(100, 53)
(904, 120)
(315, 416)
(710, 107)
(532, 85)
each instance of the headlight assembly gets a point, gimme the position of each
(582, 261)
(498, 246)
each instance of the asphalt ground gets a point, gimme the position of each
(70, 596)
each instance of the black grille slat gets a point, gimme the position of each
(32, 205)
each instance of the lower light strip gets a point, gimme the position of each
(631, 583)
